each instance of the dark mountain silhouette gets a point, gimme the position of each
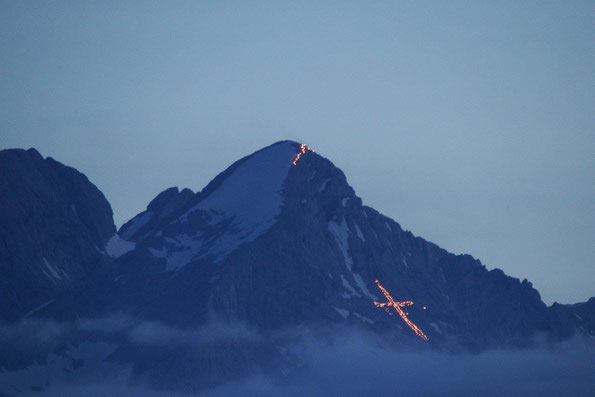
(277, 241)
(54, 224)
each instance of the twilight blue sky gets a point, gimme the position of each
(469, 123)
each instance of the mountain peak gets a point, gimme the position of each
(16, 155)
(282, 151)
(248, 194)
(53, 222)
(256, 180)
(237, 206)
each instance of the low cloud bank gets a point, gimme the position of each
(354, 363)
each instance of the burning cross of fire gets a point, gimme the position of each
(398, 306)
(303, 150)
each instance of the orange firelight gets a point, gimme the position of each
(303, 150)
(397, 306)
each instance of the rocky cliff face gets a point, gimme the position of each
(54, 224)
(277, 241)
(274, 242)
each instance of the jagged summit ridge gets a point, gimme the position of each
(236, 207)
(248, 188)
(251, 193)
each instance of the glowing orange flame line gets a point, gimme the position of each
(397, 306)
(303, 150)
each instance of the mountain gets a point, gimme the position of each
(54, 224)
(278, 241)
(274, 243)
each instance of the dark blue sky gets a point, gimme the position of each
(470, 124)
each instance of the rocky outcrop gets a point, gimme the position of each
(568, 320)
(160, 210)
(54, 224)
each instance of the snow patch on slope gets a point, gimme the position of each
(362, 286)
(136, 223)
(344, 313)
(348, 287)
(116, 246)
(323, 185)
(363, 318)
(38, 308)
(359, 233)
(340, 232)
(252, 199)
(179, 251)
(436, 327)
(53, 272)
(404, 260)
(244, 206)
